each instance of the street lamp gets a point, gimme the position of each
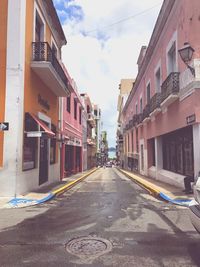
(186, 53)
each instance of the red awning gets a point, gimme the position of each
(46, 129)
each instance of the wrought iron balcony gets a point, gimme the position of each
(155, 102)
(135, 117)
(47, 67)
(146, 112)
(170, 89)
(139, 118)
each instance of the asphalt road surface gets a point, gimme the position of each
(106, 220)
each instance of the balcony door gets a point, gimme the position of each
(172, 59)
(39, 28)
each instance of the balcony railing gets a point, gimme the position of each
(41, 51)
(146, 112)
(139, 118)
(155, 102)
(170, 85)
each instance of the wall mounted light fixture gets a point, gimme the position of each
(186, 53)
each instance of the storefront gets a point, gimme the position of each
(178, 151)
(39, 147)
(72, 156)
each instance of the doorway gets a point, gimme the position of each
(43, 164)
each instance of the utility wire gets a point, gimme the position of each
(123, 20)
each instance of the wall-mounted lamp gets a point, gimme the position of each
(186, 53)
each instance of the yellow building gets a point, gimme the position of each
(31, 82)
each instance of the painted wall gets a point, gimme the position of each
(182, 26)
(22, 89)
(3, 38)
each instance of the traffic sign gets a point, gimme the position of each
(4, 126)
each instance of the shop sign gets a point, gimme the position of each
(4, 126)
(43, 102)
(191, 119)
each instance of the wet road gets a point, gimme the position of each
(124, 226)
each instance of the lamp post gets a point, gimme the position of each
(186, 53)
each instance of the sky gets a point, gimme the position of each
(104, 38)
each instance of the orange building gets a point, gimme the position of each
(31, 81)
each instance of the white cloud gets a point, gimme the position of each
(98, 65)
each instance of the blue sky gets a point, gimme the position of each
(104, 39)
(68, 11)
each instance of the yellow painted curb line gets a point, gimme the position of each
(69, 185)
(147, 185)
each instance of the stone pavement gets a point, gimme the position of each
(160, 189)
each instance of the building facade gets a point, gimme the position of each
(91, 125)
(71, 151)
(104, 147)
(162, 114)
(97, 117)
(125, 87)
(32, 82)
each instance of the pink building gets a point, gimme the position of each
(161, 118)
(71, 148)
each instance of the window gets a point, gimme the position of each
(88, 109)
(53, 146)
(80, 115)
(127, 142)
(137, 143)
(69, 104)
(151, 152)
(132, 142)
(75, 109)
(30, 144)
(148, 93)
(141, 107)
(172, 58)
(39, 29)
(158, 81)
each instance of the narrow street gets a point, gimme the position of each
(115, 213)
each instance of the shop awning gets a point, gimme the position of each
(45, 128)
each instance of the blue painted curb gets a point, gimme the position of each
(16, 202)
(181, 202)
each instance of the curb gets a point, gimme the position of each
(64, 188)
(155, 191)
(25, 202)
(146, 186)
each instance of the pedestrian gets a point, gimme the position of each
(187, 183)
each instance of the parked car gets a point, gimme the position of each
(109, 164)
(194, 206)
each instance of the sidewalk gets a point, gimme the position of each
(44, 193)
(160, 189)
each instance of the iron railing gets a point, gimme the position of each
(139, 118)
(146, 112)
(170, 85)
(155, 102)
(41, 51)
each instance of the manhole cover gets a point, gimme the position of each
(88, 246)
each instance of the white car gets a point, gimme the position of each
(194, 207)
